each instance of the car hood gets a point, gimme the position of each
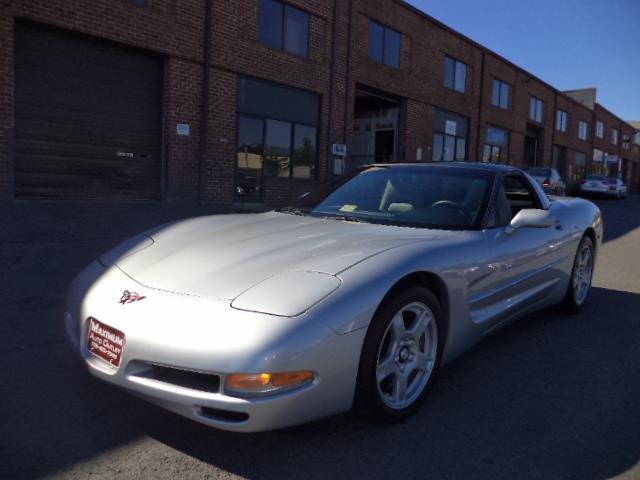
(222, 256)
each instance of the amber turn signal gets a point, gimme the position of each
(241, 384)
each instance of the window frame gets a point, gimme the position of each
(501, 86)
(534, 103)
(503, 150)
(562, 120)
(582, 123)
(293, 125)
(283, 31)
(599, 129)
(383, 53)
(455, 62)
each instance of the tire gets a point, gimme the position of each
(582, 274)
(391, 353)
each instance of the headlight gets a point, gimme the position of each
(256, 384)
(126, 248)
(273, 295)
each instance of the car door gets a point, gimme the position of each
(523, 269)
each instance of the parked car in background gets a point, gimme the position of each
(601, 185)
(549, 179)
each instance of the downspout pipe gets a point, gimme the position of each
(204, 99)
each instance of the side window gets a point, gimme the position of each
(519, 193)
(502, 208)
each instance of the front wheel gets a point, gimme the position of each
(581, 276)
(401, 355)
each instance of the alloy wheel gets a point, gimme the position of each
(407, 355)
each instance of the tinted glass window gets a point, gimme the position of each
(304, 151)
(497, 136)
(461, 77)
(500, 94)
(392, 48)
(408, 196)
(284, 27)
(455, 74)
(249, 156)
(277, 101)
(518, 193)
(277, 152)
(376, 41)
(296, 35)
(271, 23)
(384, 44)
(536, 110)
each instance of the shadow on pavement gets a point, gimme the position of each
(620, 216)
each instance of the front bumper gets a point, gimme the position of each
(597, 190)
(182, 334)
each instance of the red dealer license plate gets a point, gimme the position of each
(105, 342)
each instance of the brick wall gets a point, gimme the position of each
(338, 61)
(6, 102)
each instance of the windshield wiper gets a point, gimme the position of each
(344, 218)
(292, 211)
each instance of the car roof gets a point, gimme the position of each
(480, 166)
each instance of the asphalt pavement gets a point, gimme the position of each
(549, 397)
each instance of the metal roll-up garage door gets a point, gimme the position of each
(88, 117)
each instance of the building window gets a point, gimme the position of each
(562, 121)
(277, 134)
(599, 129)
(536, 110)
(614, 136)
(625, 142)
(583, 130)
(384, 44)
(455, 75)
(496, 146)
(501, 93)
(449, 137)
(284, 27)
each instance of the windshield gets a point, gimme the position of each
(539, 172)
(596, 178)
(427, 197)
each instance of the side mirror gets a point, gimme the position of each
(530, 218)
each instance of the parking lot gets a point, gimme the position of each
(551, 396)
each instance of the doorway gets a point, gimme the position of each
(532, 142)
(376, 129)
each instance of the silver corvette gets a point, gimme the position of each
(352, 299)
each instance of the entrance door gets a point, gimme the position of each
(530, 151)
(559, 161)
(385, 146)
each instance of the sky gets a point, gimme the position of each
(567, 43)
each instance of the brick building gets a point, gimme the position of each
(251, 100)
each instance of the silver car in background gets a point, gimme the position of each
(354, 298)
(549, 179)
(601, 185)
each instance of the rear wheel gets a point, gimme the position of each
(581, 276)
(400, 356)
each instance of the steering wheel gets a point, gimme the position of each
(461, 209)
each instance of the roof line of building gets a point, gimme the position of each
(474, 43)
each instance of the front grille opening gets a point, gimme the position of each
(224, 415)
(204, 382)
